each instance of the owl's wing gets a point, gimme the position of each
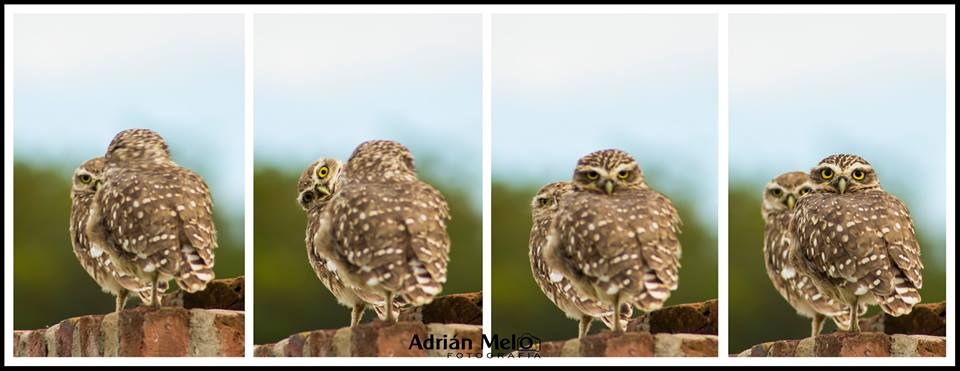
(863, 241)
(393, 235)
(792, 283)
(198, 234)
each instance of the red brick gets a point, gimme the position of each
(166, 332)
(700, 346)
(64, 338)
(630, 344)
(931, 347)
(87, 333)
(36, 344)
(230, 329)
(320, 343)
(867, 344)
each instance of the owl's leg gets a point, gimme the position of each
(390, 317)
(154, 300)
(816, 325)
(121, 299)
(617, 327)
(585, 321)
(855, 315)
(357, 314)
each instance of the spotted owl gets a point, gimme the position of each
(316, 187)
(87, 180)
(561, 292)
(856, 241)
(779, 200)
(613, 237)
(152, 217)
(383, 230)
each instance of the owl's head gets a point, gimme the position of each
(381, 159)
(318, 183)
(844, 174)
(608, 171)
(547, 200)
(138, 145)
(782, 192)
(88, 178)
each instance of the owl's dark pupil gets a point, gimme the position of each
(592, 174)
(308, 197)
(623, 173)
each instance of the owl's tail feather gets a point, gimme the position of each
(842, 318)
(146, 294)
(901, 301)
(194, 273)
(626, 311)
(422, 286)
(654, 292)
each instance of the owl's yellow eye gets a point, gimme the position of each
(776, 192)
(804, 191)
(623, 174)
(826, 173)
(85, 178)
(542, 201)
(593, 175)
(323, 172)
(859, 174)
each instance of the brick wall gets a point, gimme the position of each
(918, 334)
(197, 325)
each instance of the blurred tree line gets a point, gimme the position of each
(49, 284)
(518, 304)
(757, 311)
(289, 297)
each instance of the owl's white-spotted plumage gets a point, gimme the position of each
(383, 231)
(315, 187)
(561, 292)
(856, 241)
(614, 238)
(87, 180)
(154, 218)
(779, 200)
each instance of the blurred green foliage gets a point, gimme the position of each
(289, 297)
(49, 285)
(518, 304)
(757, 311)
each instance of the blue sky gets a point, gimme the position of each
(325, 83)
(806, 86)
(567, 85)
(80, 79)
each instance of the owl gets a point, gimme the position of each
(856, 241)
(779, 200)
(613, 237)
(383, 231)
(152, 217)
(561, 292)
(87, 180)
(316, 187)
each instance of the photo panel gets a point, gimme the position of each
(367, 142)
(816, 101)
(128, 176)
(621, 109)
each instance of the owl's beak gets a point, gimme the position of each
(608, 186)
(791, 201)
(324, 190)
(842, 185)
